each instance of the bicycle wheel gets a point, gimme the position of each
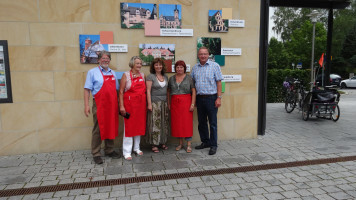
(305, 112)
(336, 115)
(289, 102)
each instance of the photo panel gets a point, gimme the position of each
(133, 15)
(170, 16)
(148, 52)
(90, 46)
(217, 23)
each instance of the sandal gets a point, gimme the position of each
(155, 149)
(128, 157)
(189, 149)
(163, 146)
(138, 152)
(179, 147)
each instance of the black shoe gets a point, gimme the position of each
(113, 155)
(212, 150)
(202, 146)
(98, 160)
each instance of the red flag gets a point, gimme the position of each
(321, 60)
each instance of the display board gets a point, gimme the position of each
(5, 79)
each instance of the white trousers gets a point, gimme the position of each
(128, 142)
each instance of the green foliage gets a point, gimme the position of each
(300, 44)
(278, 56)
(138, 25)
(123, 25)
(275, 79)
(287, 20)
(213, 44)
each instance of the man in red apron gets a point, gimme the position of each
(102, 83)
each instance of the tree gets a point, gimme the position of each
(300, 44)
(278, 57)
(287, 20)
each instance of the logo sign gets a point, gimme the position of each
(177, 32)
(236, 23)
(232, 78)
(117, 48)
(231, 51)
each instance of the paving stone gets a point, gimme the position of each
(230, 194)
(82, 197)
(272, 196)
(197, 197)
(214, 196)
(157, 195)
(178, 164)
(148, 167)
(61, 193)
(140, 197)
(30, 197)
(207, 162)
(170, 194)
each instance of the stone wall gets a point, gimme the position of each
(47, 78)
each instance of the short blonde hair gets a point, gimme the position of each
(132, 61)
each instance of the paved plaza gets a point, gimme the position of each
(288, 138)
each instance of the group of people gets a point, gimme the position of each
(153, 106)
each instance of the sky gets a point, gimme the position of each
(271, 24)
(168, 10)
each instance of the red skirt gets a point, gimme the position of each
(181, 117)
(136, 106)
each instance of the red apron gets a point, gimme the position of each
(181, 117)
(107, 108)
(135, 104)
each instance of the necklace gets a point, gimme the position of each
(134, 74)
(160, 79)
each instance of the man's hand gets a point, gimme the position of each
(87, 110)
(218, 103)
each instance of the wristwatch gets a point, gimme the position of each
(220, 97)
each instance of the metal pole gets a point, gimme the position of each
(312, 59)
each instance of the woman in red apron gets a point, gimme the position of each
(102, 83)
(132, 95)
(182, 91)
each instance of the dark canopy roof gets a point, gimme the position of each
(335, 4)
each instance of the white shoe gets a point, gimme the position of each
(128, 157)
(138, 152)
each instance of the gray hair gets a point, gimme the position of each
(132, 61)
(102, 53)
(204, 47)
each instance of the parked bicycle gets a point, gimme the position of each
(295, 94)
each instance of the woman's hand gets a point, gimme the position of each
(149, 107)
(191, 109)
(122, 111)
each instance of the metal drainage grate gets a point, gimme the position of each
(102, 183)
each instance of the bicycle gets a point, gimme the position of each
(295, 94)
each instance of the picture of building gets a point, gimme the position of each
(170, 16)
(216, 22)
(90, 46)
(148, 52)
(133, 15)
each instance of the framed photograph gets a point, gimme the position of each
(170, 16)
(133, 15)
(148, 52)
(217, 23)
(5, 79)
(90, 46)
